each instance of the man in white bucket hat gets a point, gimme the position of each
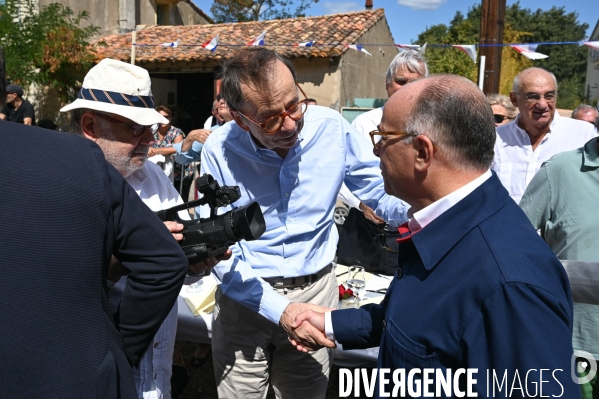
(115, 108)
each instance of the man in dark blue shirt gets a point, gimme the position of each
(478, 295)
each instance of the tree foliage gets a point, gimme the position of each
(254, 10)
(46, 46)
(567, 62)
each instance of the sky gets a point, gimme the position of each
(408, 18)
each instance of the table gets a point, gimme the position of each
(199, 329)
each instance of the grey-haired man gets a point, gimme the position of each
(407, 66)
(115, 109)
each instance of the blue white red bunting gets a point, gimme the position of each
(172, 44)
(469, 49)
(528, 50)
(358, 47)
(258, 41)
(211, 44)
(305, 44)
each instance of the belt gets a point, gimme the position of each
(300, 281)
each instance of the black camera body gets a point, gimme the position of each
(208, 237)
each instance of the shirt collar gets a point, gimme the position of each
(426, 215)
(137, 178)
(552, 125)
(591, 158)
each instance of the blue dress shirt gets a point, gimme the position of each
(297, 196)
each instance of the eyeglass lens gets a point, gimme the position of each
(499, 118)
(294, 113)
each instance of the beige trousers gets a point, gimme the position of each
(249, 351)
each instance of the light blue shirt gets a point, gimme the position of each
(297, 197)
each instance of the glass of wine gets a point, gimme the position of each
(357, 283)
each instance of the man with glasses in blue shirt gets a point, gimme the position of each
(291, 158)
(537, 133)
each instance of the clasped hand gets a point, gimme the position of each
(304, 324)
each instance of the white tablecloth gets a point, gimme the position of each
(199, 329)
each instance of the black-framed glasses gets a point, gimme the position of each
(500, 118)
(274, 123)
(136, 129)
(533, 98)
(376, 136)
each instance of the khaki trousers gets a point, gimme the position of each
(249, 351)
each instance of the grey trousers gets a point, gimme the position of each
(249, 351)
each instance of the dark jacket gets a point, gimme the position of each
(63, 212)
(476, 288)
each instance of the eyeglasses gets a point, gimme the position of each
(533, 98)
(404, 81)
(500, 118)
(274, 123)
(376, 136)
(137, 130)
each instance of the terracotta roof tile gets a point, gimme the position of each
(327, 31)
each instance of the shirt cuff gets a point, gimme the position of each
(273, 305)
(328, 326)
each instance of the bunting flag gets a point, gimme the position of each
(358, 47)
(172, 44)
(408, 46)
(305, 44)
(469, 49)
(593, 45)
(528, 50)
(258, 41)
(211, 44)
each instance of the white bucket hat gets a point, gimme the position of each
(118, 88)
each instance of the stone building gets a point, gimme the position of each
(185, 77)
(119, 16)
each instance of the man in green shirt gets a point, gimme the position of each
(561, 201)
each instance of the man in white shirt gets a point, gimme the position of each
(115, 109)
(537, 134)
(406, 67)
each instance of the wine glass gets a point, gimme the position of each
(357, 283)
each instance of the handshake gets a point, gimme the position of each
(304, 324)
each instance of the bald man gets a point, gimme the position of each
(467, 294)
(537, 133)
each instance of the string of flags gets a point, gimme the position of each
(527, 50)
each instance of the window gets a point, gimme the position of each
(161, 14)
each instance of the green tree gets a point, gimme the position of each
(567, 62)
(254, 10)
(45, 46)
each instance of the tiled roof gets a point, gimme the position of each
(329, 33)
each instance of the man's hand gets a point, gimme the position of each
(316, 319)
(175, 228)
(369, 214)
(200, 135)
(304, 335)
(209, 263)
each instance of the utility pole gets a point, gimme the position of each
(492, 21)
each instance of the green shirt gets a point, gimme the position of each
(562, 200)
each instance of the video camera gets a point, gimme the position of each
(208, 237)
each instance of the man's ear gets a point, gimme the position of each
(425, 152)
(514, 98)
(237, 118)
(89, 126)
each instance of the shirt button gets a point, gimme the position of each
(286, 194)
(399, 273)
(156, 345)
